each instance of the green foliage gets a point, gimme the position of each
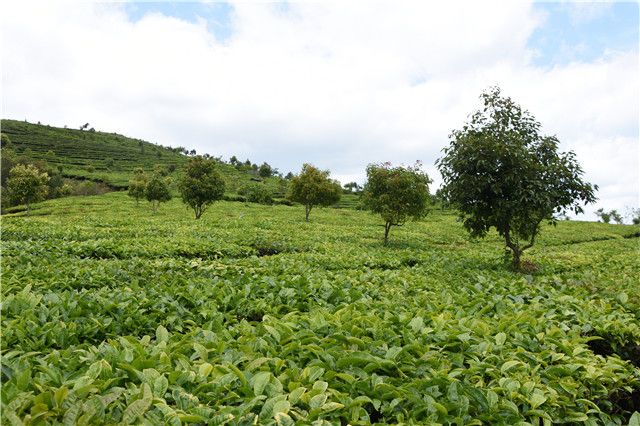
(396, 193)
(55, 185)
(606, 217)
(27, 184)
(634, 215)
(312, 187)
(352, 187)
(499, 171)
(265, 170)
(201, 185)
(111, 315)
(257, 193)
(5, 141)
(138, 185)
(8, 160)
(161, 170)
(157, 191)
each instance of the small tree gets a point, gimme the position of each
(265, 170)
(157, 191)
(617, 217)
(352, 187)
(5, 141)
(201, 185)
(27, 184)
(396, 193)
(312, 187)
(499, 171)
(634, 215)
(137, 185)
(606, 217)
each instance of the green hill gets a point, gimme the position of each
(110, 157)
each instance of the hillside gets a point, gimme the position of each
(106, 157)
(250, 315)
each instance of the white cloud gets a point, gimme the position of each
(337, 84)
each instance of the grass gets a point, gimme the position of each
(113, 314)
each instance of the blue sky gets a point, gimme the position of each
(217, 14)
(570, 34)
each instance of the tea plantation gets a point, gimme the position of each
(113, 315)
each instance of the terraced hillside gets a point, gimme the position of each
(113, 315)
(113, 157)
(107, 157)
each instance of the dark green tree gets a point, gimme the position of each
(265, 170)
(312, 187)
(201, 185)
(352, 187)
(157, 191)
(500, 171)
(634, 215)
(396, 193)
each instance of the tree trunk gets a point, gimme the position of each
(155, 206)
(307, 210)
(387, 228)
(28, 207)
(515, 249)
(517, 253)
(198, 212)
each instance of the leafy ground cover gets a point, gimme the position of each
(250, 315)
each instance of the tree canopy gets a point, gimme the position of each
(27, 184)
(157, 191)
(137, 185)
(396, 193)
(313, 187)
(500, 171)
(201, 185)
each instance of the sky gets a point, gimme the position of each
(336, 84)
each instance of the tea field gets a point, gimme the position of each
(113, 315)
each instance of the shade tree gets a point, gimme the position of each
(201, 185)
(501, 172)
(27, 184)
(397, 194)
(313, 187)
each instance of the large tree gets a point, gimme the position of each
(396, 193)
(312, 187)
(500, 171)
(201, 185)
(27, 184)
